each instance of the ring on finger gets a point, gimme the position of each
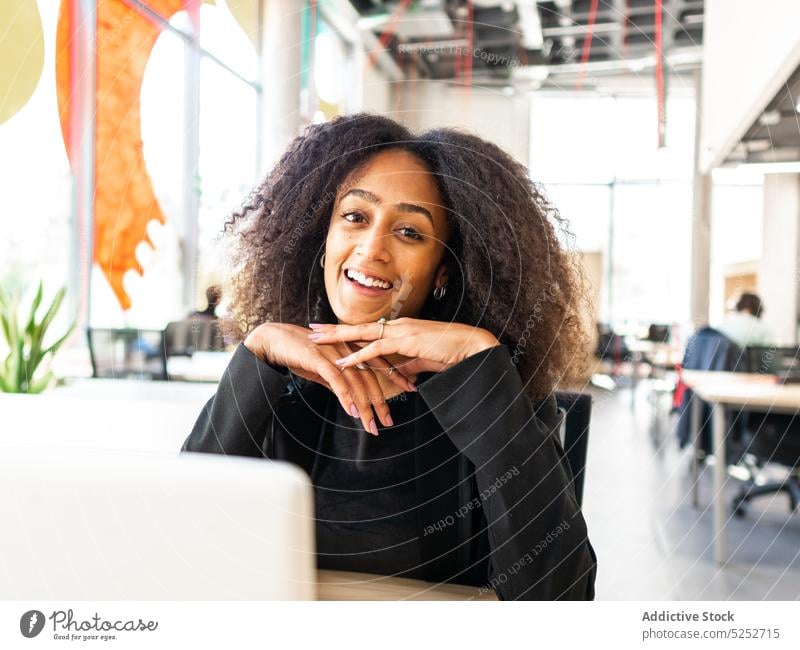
(382, 323)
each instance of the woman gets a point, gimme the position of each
(407, 310)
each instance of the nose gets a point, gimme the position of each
(373, 245)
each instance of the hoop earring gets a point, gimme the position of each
(438, 292)
(322, 262)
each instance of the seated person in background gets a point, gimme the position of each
(213, 298)
(745, 327)
(199, 331)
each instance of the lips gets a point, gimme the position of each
(368, 273)
(368, 278)
(363, 289)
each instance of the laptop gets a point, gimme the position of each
(98, 525)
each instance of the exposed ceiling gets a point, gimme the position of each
(775, 135)
(533, 44)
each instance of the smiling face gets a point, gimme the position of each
(385, 240)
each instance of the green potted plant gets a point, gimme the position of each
(26, 346)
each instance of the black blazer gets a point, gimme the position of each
(500, 512)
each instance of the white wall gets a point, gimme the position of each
(749, 50)
(426, 104)
(376, 89)
(779, 269)
(737, 206)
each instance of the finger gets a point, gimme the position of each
(338, 384)
(400, 379)
(376, 397)
(362, 396)
(341, 333)
(358, 388)
(381, 347)
(414, 366)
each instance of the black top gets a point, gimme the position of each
(365, 494)
(499, 512)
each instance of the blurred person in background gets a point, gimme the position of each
(744, 326)
(213, 298)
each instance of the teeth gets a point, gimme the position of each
(367, 281)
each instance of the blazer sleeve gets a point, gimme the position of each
(235, 420)
(539, 548)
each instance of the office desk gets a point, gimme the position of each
(200, 367)
(659, 355)
(344, 585)
(756, 392)
(121, 415)
(656, 353)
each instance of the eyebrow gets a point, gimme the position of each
(373, 198)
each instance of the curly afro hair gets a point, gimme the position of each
(509, 267)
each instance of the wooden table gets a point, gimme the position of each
(756, 392)
(344, 585)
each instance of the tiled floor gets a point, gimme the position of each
(651, 543)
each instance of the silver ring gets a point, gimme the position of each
(391, 370)
(361, 366)
(382, 323)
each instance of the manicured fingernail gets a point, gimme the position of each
(341, 362)
(315, 325)
(315, 336)
(389, 420)
(373, 427)
(354, 411)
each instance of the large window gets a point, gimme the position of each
(199, 106)
(626, 199)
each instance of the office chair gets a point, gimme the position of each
(707, 349)
(771, 437)
(659, 333)
(127, 353)
(577, 411)
(611, 346)
(185, 337)
(783, 362)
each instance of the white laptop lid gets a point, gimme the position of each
(104, 526)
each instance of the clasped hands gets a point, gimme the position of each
(405, 348)
(409, 345)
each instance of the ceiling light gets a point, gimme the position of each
(769, 118)
(530, 24)
(757, 145)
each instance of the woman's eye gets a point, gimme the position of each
(356, 215)
(410, 233)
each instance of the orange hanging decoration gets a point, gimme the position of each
(124, 202)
